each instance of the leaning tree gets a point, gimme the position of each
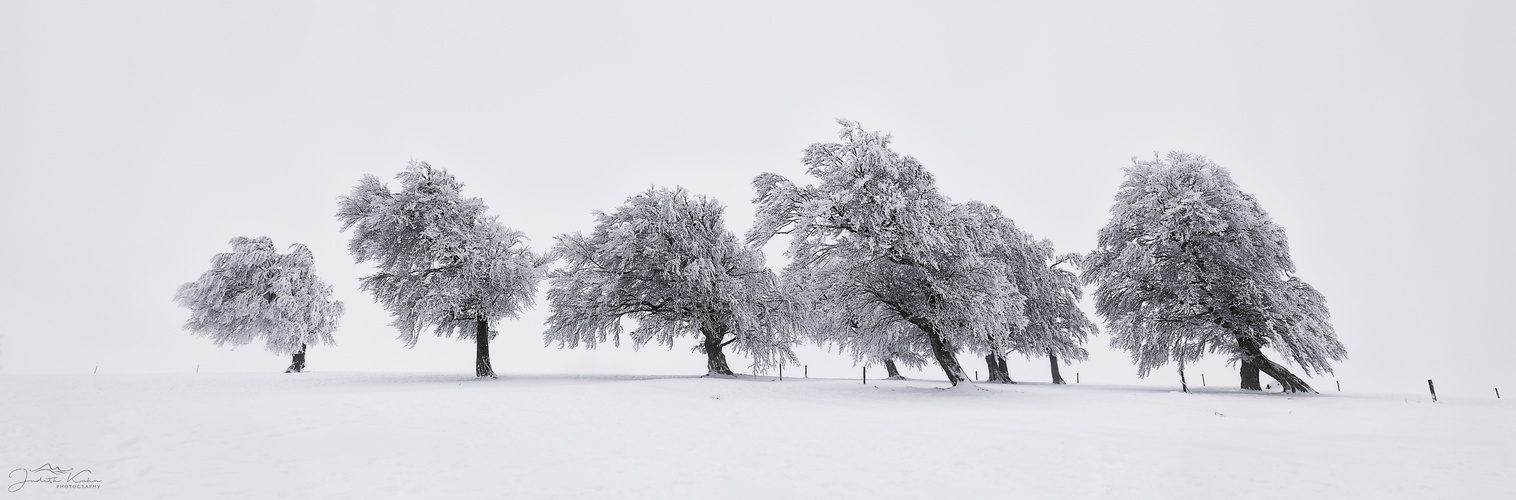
(665, 260)
(442, 262)
(1053, 325)
(1056, 325)
(875, 239)
(255, 292)
(1191, 264)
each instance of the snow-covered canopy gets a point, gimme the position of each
(254, 292)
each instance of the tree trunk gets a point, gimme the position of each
(889, 364)
(1184, 386)
(715, 360)
(1250, 377)
(482, 366)
(1053, 360)
(941, 350)
(297, 361)
(998, 371)
(1252, 353)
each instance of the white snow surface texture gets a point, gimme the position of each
(380, 435)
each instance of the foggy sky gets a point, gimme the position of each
(137, 139)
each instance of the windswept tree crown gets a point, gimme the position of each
(442, 261)
(1189, 263)
(255, 292)
(666, 260)
(874, 246)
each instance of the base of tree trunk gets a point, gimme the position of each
(715, 360)
(1249, 376)
(297, 361)
(1253, 354)
(1053, 360)
(999, 372)
(943, 353)
(482, 366)
(889, 365)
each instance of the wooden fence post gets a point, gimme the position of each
(1432, 388)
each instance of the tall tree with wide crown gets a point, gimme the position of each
(1190, 264)
(665, 260)
(442, 262)
(874, 244)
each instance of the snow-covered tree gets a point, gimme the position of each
(255, 292)
(1054, 324)
(891, 343)
(442, 262)
(666, 260)
(1191, 264)
(876, 240)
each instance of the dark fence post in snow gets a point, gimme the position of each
(1497, 393)
(1202, 380)
(1076, 377)
(807, 371)
(97, 369)
(1432, 388)
(781, 372)
(976, 375)
(865, 375)
(1339, 385)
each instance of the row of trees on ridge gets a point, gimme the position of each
(882, 267)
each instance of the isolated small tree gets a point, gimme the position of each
(255, 292)
(665, 260)
(875, 238)
(442, 262)
(1191, 264)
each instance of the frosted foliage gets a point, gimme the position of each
(666, 260)
(874, 338)
(1053, 319)
(442, 262)
(874, 245)
(255, 292)
(1190, 264)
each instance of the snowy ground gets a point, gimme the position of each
(380, 435)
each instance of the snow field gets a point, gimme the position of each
(382, 435)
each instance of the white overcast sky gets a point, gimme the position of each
(138, 137)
